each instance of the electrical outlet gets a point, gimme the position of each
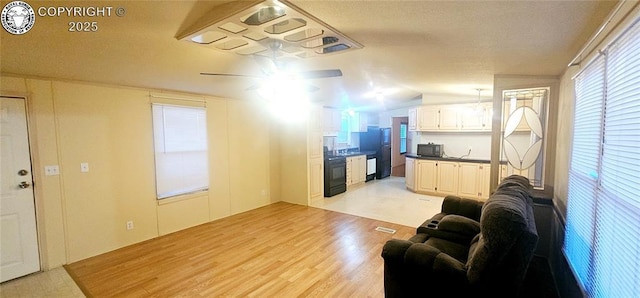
(130, 225)
(51, 170)
(84, 167)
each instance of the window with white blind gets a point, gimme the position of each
(181, 154)
(602, 238)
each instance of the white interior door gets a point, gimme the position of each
(19, 246)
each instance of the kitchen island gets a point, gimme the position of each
(443, 176)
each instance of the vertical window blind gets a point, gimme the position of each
(181, 151)
(602, 241)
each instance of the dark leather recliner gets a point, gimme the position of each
(470, 248)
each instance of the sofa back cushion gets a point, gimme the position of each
(499, 257)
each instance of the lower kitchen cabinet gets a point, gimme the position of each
(447, 178)
(410, 173)
(356, 169)
(468, 175)
(474, 180)
(426, 175)
(470, 180)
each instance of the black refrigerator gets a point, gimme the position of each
(378, 140)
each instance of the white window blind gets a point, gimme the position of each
(585, 161)
(181, 154)
(602, 240)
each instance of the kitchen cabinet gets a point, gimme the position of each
(447, 178)
(359, 122)
(426, 175)
(410, 173)
(459, 118)
(476, 117)
(427, 118)
(413, 114)
(484, 186)
(474, 180)
(468, 175)
(332, 121)
(437, 177)
(449, 117)
(356, 169)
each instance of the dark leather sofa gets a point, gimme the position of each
(469, 249)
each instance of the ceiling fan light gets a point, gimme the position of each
(305, 34)
(263, 22)
(231, 44)
(255, 36)
(208, 37)
(232, 27)
(333, 49)
(251, 50)
(264, 15)
(286, 26)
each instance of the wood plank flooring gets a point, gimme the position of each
(279, 250)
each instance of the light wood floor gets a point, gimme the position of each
(279, 250)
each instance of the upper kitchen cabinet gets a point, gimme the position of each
(424, 118)
(467, 118)
(449, 117)
(476, 117)
(412, 119)
(332, 121)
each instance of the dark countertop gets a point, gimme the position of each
(350, 154)
(454, 159)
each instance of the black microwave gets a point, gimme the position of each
(430, 150)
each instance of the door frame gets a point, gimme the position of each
(36, 175)
(398, 160)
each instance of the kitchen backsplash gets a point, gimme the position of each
(457, 144)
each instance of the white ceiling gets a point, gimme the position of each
(433, 49)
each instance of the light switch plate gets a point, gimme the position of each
(51, 170)
(84, 167)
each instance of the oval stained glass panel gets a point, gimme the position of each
(530, 157)
(513, 121)
(534, 122)
(512, 154)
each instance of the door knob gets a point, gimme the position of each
(23, 172)
(24, 185)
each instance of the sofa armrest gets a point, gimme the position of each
(452, 227)
(395, 249)
(462, 206)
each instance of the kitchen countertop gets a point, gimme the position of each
(350, 154)
(455, 159)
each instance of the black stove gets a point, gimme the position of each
(335, 175)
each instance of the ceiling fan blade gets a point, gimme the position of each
(231, 75)
(318, 74)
